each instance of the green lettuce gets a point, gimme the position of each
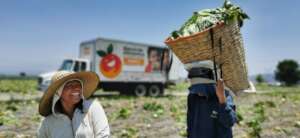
(204, 19)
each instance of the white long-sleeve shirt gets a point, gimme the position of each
(89, 124)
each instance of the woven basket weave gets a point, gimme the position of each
(222, 42)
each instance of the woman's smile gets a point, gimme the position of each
(72, 92)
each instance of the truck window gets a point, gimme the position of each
(83, 66)
(76, 67)
(66, 65)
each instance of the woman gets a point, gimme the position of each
(153, 60)
(68, 112)
(211, 111)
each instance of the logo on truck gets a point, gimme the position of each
(110, 64)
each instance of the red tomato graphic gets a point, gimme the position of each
(110, 65)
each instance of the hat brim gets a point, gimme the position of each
(90, 82)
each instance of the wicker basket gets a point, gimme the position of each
(221, 43)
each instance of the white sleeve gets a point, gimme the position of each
(100, 123)
(42, 130)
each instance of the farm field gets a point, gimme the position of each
(273, 113)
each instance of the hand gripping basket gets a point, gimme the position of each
(223, 44)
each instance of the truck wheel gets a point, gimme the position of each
(140, 90)
(154, 90)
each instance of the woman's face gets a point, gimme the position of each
(166, 58)
(153, 56)
(71, 93)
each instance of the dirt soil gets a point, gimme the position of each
(132, 117)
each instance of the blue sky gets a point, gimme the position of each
(36, 35)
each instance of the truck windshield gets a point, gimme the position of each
(67, 65)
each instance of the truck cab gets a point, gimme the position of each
(75, 65)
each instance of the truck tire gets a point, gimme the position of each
(140, 90)
(155, 90)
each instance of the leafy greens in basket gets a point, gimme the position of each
(204, 19)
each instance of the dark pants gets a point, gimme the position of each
(200, 124)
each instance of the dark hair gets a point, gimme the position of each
(58, 107)
(150, 50)
(201, 72)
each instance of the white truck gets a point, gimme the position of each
(128, 67)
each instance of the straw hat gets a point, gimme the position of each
(90, 82)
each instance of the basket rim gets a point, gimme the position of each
(169, 41)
